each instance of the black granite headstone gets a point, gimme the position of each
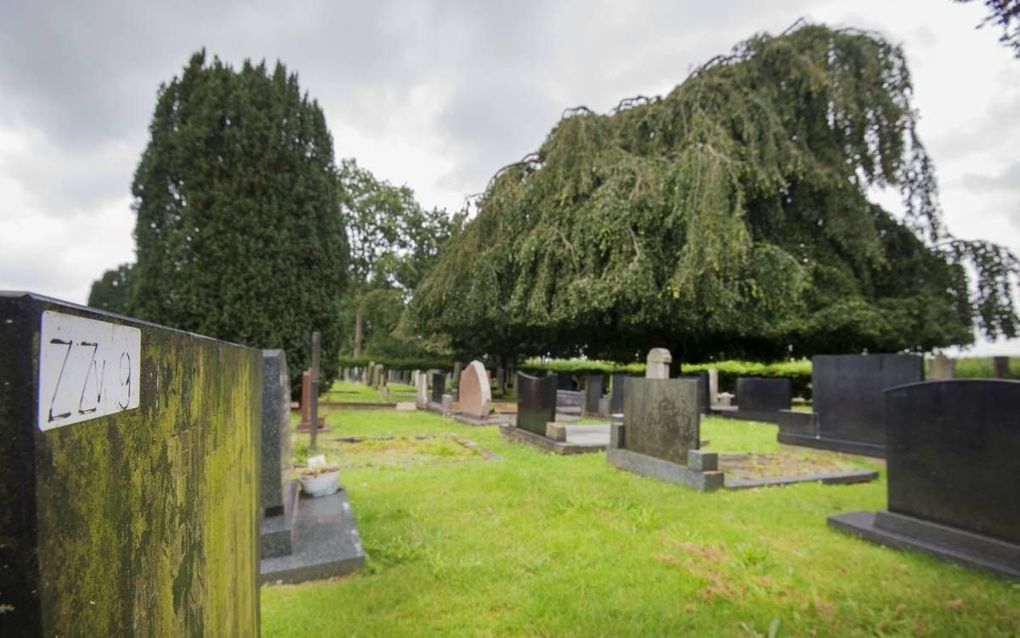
(616, 393)
(704, 402)
(661, 419)
(847, 393)
(536, 402)
(438, 381)
(593, 384)
(275, 429)
(953, 454)
(756, 394)
(563, 381)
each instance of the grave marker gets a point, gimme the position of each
(475, 391)
(536, 402)
(657, 363)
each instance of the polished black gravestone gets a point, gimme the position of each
(129, 457)
(953, 458)
(756, 394)
(593, 385)
(848, 403)
(438, 381)
(536, 402)
(564, 381)
(616, 393)
(660, 433)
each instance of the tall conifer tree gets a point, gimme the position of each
(239, 229)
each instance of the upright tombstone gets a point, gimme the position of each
(128, 476)
(593, 384)
(438, 382)
(713, 386)
(704, 402)
(421, 394)
(847, 397)
(953, 458)
(660, 434)
(275, 430)
(657, 363)
(756, 394)
(563, 381)
(307, 397)
(942, 368)
(475, 391)
(536, 402)
(618, 381)
(1001, 367)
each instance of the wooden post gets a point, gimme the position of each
(314, 416)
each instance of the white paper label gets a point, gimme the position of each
(87, 369)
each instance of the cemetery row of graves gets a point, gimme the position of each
(164, 478)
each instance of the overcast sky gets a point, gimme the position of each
(435, 95)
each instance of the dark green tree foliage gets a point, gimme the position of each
(728, 218)
(239, 229)
(112, 291)
(394, 241)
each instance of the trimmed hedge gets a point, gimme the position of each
(398, 364)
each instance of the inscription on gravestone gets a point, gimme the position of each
(661, 417)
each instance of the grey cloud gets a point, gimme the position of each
(1007, 180)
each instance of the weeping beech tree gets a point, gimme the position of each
(728, 218)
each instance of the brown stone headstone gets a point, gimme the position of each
(1001, 366)
(306, 404)
(475, 393)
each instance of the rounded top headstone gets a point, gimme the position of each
(474, 392)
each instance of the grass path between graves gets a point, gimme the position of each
(542, 545)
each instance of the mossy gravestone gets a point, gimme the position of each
(129, 475)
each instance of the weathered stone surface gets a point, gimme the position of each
(661, 418)
(421, 387)
(536, 402)
(663, 470)
(275, 429)
(942, 368)
(143, 521)
(763, 395)
(657, 363)
(593, 384)
(475, 390)
(713, 386)
(847, 393)
(438, 382)
(616, 393)
(954, 454)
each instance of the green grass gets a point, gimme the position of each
(537, 544)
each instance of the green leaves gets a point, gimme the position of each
(239, 231)
(728, 218)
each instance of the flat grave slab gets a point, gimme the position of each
(589, 442)
(749, 470)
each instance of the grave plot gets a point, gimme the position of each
(660, 438)
(539, 423)
(954, 474)
(302, 537)
(402, 451)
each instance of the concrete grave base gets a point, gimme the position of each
(492, 419)
(706, 481)
(944, 542)
(549, 445)
(276, 532)
(833, 445)
(325, 542)
(844, 477)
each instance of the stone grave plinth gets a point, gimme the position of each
(128, 475)
(536, 423)
(301, 538)
(953, 457)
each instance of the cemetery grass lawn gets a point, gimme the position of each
(347, 392)
(537, 544)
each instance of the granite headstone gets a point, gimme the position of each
(438, 382)
(661, 417)
(536, 402)
(593, 384)
(475, 391)
(756, 394)
(275, 430)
